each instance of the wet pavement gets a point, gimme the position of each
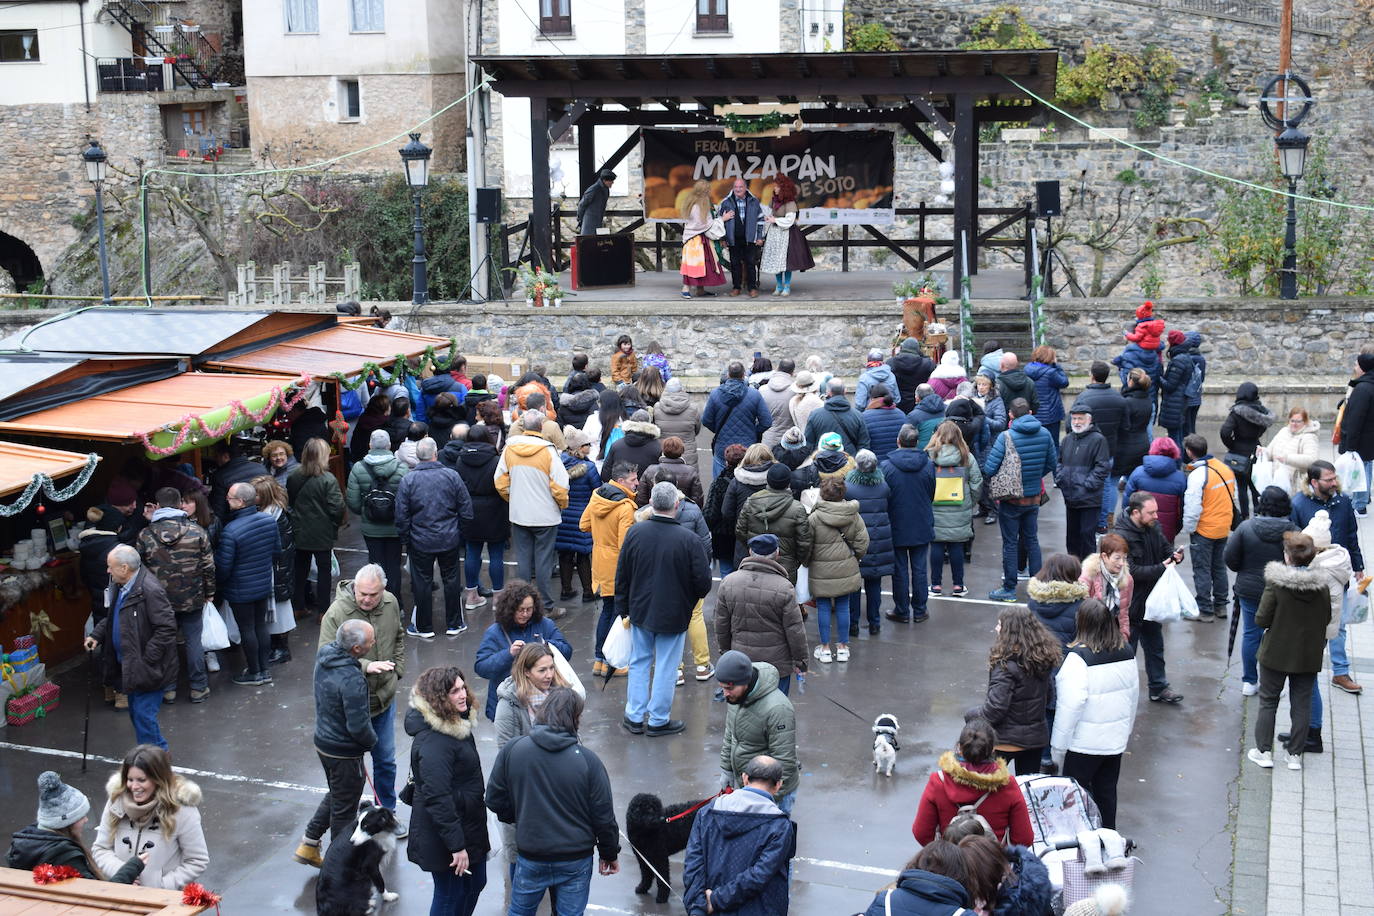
(251, 750)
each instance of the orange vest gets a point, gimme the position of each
(1218, 496)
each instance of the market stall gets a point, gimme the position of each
(19, 893)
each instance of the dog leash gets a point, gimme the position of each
(368, 776)
(701, 804)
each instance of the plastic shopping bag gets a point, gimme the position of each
(1170, 599)
(565, 670)
(1350, 472)
(803, 584)
(214, 635)
(1267, 472)
(616, 648)
(1356, 606)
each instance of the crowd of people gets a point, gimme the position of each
(814, 502)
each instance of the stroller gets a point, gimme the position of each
(1060, 809)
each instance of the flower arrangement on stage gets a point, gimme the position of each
(925, 286)
(539, 286)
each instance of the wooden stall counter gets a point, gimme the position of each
(63, 598)
(81, 897)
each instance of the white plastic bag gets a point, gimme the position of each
(1170, 599)
(231, 623)
(803, 584)
(214, 636)
(616, 648)
(1355, 608)
(565, 670)
(1267, 472)
(1350, 472)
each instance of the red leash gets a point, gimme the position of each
(375, 798)
(701, 804)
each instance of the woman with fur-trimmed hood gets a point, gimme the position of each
(972, 774)
(448, 823)
(1055, 594)
(155, 811)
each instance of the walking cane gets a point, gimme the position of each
(86, 729)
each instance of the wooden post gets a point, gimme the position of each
(586, 157)
(965, 187)
(251, 283)
(539, 224)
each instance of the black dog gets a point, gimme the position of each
(655, 838)
(352, 867)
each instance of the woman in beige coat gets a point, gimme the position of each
(1295, 446)
(839, 541)
(152, 810)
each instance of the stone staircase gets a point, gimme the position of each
(1007, 321)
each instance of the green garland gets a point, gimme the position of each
(44, 482)
(755, 124)
(399, 368)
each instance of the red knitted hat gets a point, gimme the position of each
(1146, 310)
(1175, 337)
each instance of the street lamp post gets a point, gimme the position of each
(415, 158)
(1292, 144)
(95, 158)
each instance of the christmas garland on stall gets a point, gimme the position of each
(399, 369)
(45, 483)
(754, 124)
(237, 412)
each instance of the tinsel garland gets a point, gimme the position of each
(399, 369)
(45, 483)
(237, 412)
(753, 124)
(51, 874)
(198, 895)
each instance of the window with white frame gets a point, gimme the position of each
(18, 45)
(367, 15)
(302, 15)
(350, 100)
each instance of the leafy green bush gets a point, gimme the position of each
(871, 36)
(1004, 29)
(1106, 70)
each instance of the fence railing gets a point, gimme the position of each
(315, 288)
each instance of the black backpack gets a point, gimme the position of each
(379, 503)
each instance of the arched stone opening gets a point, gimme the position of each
(18, 260)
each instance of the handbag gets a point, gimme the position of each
(949, 486)
(214, 635)
(565, 670)
(407, 793)
(1006, 483)
(1239, 464)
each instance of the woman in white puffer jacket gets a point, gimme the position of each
(1295, 446)
(1097, 688)
(152, 810)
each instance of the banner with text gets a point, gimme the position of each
(842, 176)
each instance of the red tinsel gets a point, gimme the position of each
(51, 874)
(198, 895)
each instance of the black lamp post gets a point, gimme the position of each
(1292, 144)
(415, 158)
(95, 158)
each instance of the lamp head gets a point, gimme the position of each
(1292, 144)
(415, 158)
(95, 159)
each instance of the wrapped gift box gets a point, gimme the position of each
(35, 704)
(21, 659)
(25, 642)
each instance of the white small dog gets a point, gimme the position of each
(885, 745)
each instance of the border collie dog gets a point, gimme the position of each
(352, 868)
(885, 746)
(655, 838)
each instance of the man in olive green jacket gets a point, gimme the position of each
(773, 510)
(759, 719)
(366, 598)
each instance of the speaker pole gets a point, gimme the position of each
(1049, 262)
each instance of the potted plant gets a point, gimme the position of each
(539, 286)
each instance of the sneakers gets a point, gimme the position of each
(681, 678)
(247, 678)
(936, 590)
(1261, 758)
(1165, 696)
(1022, 574)
(1295, 761)
(1219, 612)
(823, 655)
(200, 696)
(671, 727)
(1203, 617)
(556, 613)
(307, 854)
(958, 592)
(169, 697)
(842, 653)
(279, 657)
(631, 726)
(989, 519)
(1003, 594)
(1347, 683)
(401, 830)
(411, 631)
(472, 599)
(121, 700)
(704, 672)
(1248, 689)
(456, 631)
(211, 662)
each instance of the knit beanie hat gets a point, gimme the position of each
(734, 667)
(779, 476)
(59, 805)
(1366, 361)
(575, 438)
(673, 384)
(831, 442)
(1175, 337)
(1147, 310)
(794, 439)
(875, 355)
(120, 493)
(1319, 530)
(866, 461)
(911, 345)
(765, 545)
(640, 416)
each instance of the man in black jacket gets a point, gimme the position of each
(1108, 408)
(558, 795)
(233, 468)
(1357, 422)
(1013, 383)
(343, 733)
(912, 369)
(1149, 553)
(1084, 463)
(432, 508)
(661, 574)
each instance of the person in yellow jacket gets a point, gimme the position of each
(608, 516)
(1208, 507)
(531, 477)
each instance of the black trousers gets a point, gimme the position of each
(744, 265)
(1098, 774)
(324, 592)
(344, 777)
(386, 553)
(1300, 688)
(1025, 761)
(569, 562)
(1080, 534)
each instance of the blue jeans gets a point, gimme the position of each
(190, 626)
(456, 895)
(955, 551)
(496, 567)
(384, 757)
(726, 567)
(717, 461)
(1019, 527)
(786, 802)
(662, 651)
(603, 624)
(873, 590)
(785, 685)
(1340, 664)
(840, 606)
(571, 880)
(143, 709)
(910, 589)
(1109, 496)
(1360, 501)
(1250, 642)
